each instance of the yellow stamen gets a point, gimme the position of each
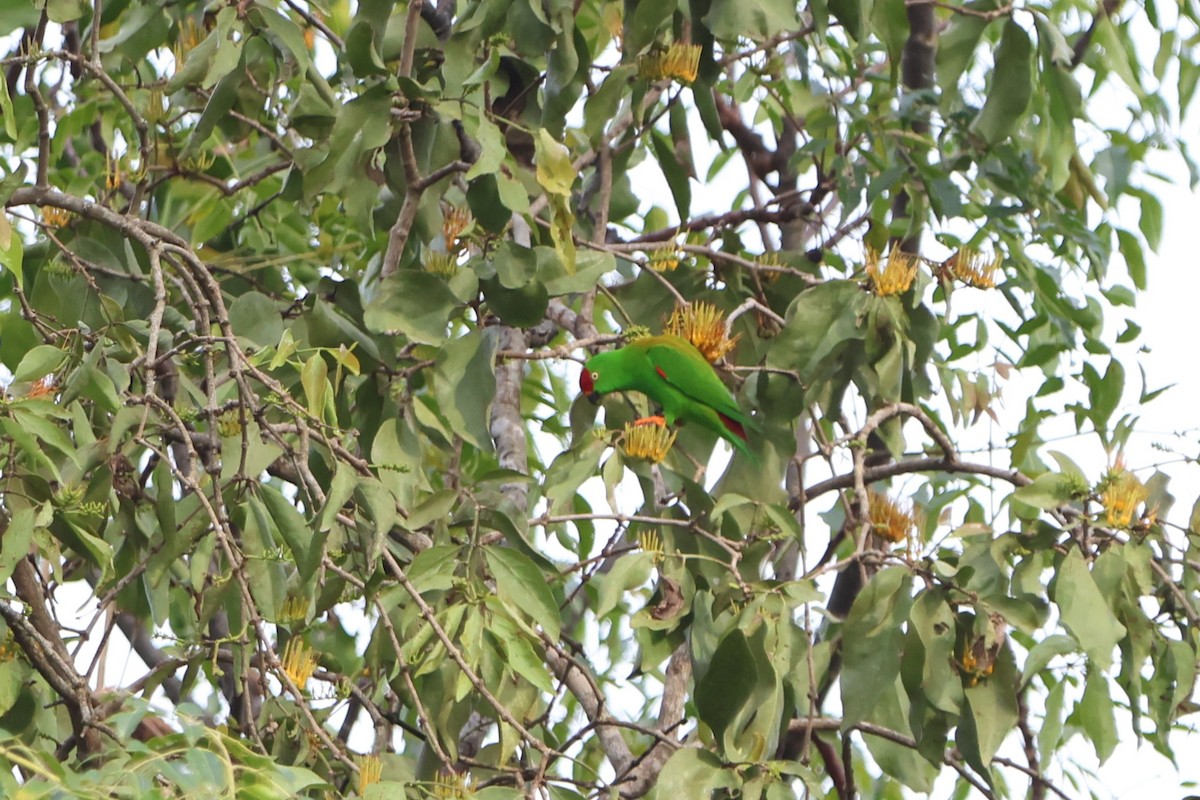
(679, 62)
(647, 442)
(295, 609)
(973, 268)
(55, 217)
(1121, 494)
(370, 768)
(199, 162)
(112, 172)
(894, 278)
(186, 40)
(451, 786)
(651, 542)
(890, 519)
(440, 263)
(702, 324)
(612, 18)
(299, 662)
(454, 224)
(682, 62)
(770, 260)
(664, 259)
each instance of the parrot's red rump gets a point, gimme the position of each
(734, 426)
(661, 374)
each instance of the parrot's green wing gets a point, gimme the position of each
(682, 366)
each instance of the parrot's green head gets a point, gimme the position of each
(602, 374)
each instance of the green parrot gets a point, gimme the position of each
(671, 372)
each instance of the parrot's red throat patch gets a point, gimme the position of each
(733, 426)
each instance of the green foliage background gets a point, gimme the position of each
(268, 401)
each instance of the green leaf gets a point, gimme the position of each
(286, 31)
(1085, 612)
(61, 11)
(38, 363)
(438, 506)
(526, 663)
(1012, 85)
(566, 64)
(306, 546)
(993, 713)
(555, 172)
(14, 544)
(1104, 392)
(630, 571)
(220, 102)
(853, 15)
(642, 26)
(491, 143)
(433, 568)
(873, 641)
(694, 773)
(12, 251)
(677, 176)
(465, 384)
(315, 378)
(361, 52)
(523, 587)
(46, 430)
(728, 683)
(256, 317)
(889, 21)
(933, 622)
(1151, 221)
(10, 122)
(601, 106)
(569, 470)
(901, 762)
(415, 303)
(957, 45)
(1095, 712)
(1043, 652)
(819, 322)
(757, 20)
(14, 673)
(1048, 490)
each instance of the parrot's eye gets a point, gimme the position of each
(595, 377)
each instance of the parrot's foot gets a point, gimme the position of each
(655, 420)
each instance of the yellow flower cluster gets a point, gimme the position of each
(55, 217)
(299, 662)
(679, 62)
(185, 41)
(647, 441)
(973, 268)
(441, 263)
(896, 275)
(650, 541)
(1121, 495)
(702, 324)
(370, 769)
(664, 259)
(772, 261)
(295, 609)
(454, 224)
(890, 519)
